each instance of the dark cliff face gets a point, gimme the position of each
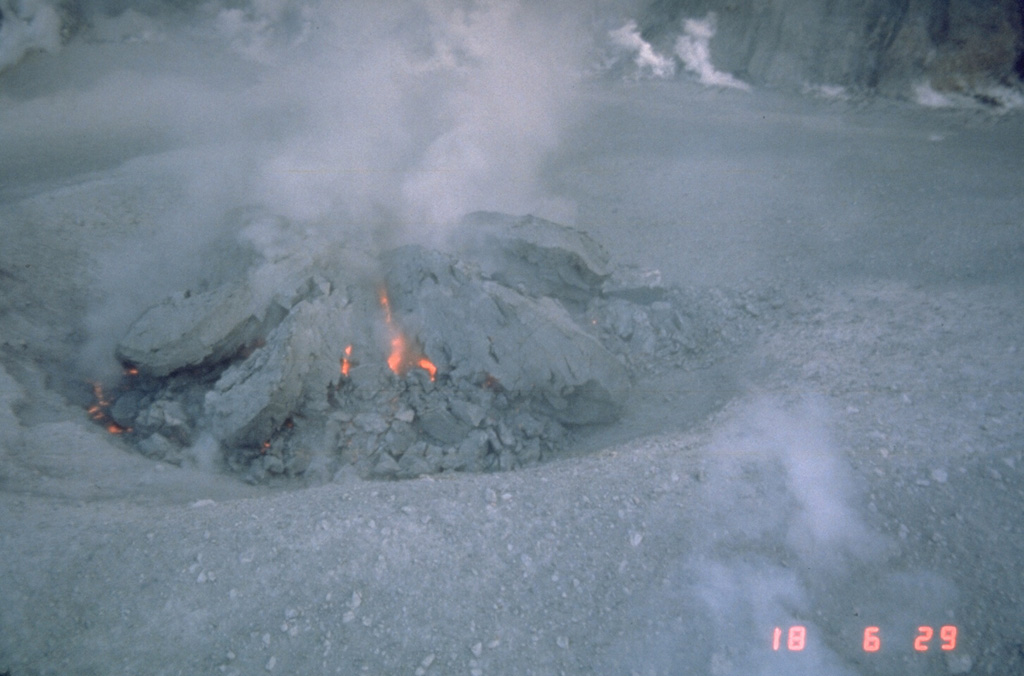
(873, 45)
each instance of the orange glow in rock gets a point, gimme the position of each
(428, 366)
(346, 364)
(396, 360)
(403, 356)
(99, 411)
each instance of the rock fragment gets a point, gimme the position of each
(254, 398)
(195, 329)
(537, 256)
(530, 346)
(188, 330)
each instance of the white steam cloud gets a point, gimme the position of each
(409, 113)
(645, 58)
(693, 48)
(778, 523)
(368, 123)
(414, 113)
(790, 453)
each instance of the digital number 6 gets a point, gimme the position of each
(872, 642)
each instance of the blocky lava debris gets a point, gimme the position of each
(531, 331)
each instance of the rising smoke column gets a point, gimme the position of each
(644, 57)
(693, 48)
(418, 114)
(774, 522)
(365, 123)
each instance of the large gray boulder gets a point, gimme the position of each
(196, 329)
(533, 255)
(531, 347)
(255, 397)
(188, 330)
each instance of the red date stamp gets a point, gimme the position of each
(794, 638)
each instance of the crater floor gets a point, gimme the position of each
(856, 463)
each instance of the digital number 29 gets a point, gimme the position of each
(924, 634)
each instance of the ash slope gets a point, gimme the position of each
(862, 463)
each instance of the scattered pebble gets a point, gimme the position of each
(477, 649)
(940, 476)
(271, 663)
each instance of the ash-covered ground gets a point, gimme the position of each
(839, 446)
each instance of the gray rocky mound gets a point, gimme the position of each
(480, 359)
